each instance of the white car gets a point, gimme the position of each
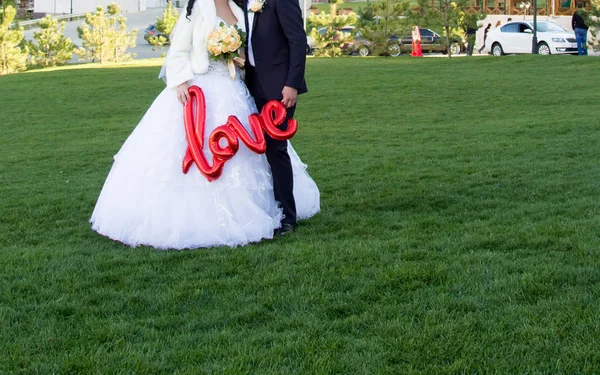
(516, 37)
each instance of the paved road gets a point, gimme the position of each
(139, 21)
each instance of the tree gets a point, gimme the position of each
(444, 13)
(390, 22)
(366, 16)
(5, 3)
(593, 21)
(330, 42)
(468, 21)
(105, 36)
(164, 26)
(52, 47)
(12, 58)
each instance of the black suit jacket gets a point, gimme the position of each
(279, 47)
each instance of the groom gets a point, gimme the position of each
(276, 57)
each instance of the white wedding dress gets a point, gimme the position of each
(148, 200)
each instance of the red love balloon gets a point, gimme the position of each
(270, 119)
(227, 152)
(194, 133)
(259, 145)
(273, 115)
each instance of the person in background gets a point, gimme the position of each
(580, 28)
(471, 31)
(498, 24)
(485, 33)
(509, 19)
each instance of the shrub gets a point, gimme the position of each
(391, 21)
(12, 57)
(330, 43)
(105, 36)
(164, 26)
(52, 47)
(594, 24)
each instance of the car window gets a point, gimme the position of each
(510, 28)
(549, 26)
(425, 32)
(523, 27)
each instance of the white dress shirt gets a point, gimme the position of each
(250, 23)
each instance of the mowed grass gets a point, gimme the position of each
(459, 231)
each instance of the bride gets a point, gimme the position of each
(148, 200)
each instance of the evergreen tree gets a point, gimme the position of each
(593, 21)
(366, 16)
(446, 14)
(105, 36)
(468, 20)
(331, 41)
(164, 26)
(12, 58)
(5, 3)
(52, 47)
(390, 22)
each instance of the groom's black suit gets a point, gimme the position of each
(279, 46)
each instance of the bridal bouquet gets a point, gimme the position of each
(224, 44)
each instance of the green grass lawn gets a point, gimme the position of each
(459, 231)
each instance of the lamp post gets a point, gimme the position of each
(534, 40)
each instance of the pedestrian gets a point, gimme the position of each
(580, 28)
(485, 33)
(471, 31)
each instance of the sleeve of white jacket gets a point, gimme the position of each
(179, 64)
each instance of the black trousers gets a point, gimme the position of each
(277, 155)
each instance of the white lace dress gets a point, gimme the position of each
(148, 200)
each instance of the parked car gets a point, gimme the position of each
(152, 32)
(357, 44)
(311, 45)
(364, 47)
(433, 42)
(517, 37)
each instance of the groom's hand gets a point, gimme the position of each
(182, 93)
(290, 95)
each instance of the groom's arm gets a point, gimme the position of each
(290, 19)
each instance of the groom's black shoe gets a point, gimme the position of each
(285, 229)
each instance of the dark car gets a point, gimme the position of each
(364, 47)
(311, 45)
(430, 42)
(152, 32)
(433, 42)
(357, 44)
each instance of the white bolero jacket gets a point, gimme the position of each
(188, 54)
